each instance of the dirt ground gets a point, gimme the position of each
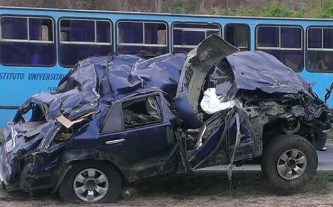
(248, 189)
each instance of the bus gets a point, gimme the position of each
(39, 46)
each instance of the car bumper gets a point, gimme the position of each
(4, 183)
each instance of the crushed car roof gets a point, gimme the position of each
(115, 76)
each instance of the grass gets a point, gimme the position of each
(320, 185)
(323, 9)
(244, 185)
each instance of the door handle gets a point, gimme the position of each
(115, 141)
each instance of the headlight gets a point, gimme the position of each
(10, 144)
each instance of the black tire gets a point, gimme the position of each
(285, 145)
(66, 188)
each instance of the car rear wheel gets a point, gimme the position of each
(91, 182)
(289, 162)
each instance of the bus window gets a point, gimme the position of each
(284, 42)
(186, 36)
(150, 38)
(82, 38)
(27, 41)
(238, 35)
(268, 37)
(319, 49)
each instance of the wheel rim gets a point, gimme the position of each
(291, 164)
(90, 185)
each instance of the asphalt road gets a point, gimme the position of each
(326, 158)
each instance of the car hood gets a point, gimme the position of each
(254, 70)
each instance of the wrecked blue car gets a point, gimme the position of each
(118, 119)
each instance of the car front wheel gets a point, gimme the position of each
(91, 182)
(289, 162)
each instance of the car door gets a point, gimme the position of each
(139, 130)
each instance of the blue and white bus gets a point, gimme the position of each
(39, 46)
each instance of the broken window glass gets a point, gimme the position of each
(141, 112)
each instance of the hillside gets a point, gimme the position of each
(275, 8)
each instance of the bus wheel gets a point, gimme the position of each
(289, 162)
(91, 182)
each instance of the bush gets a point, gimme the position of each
(300, 13)
(326, 11)
(246, 12)
(178, 7)
(228, 12)
(276, 10)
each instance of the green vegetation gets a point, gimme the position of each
(246, 12)
(326, 11)
(300, 9)
(276, 10)
(266, 8)
(323, 10)
(321, 184)
(178, 7)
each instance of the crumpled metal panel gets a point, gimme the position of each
(115, 76)
(260, 70)
(199, 62)
(88, 89)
